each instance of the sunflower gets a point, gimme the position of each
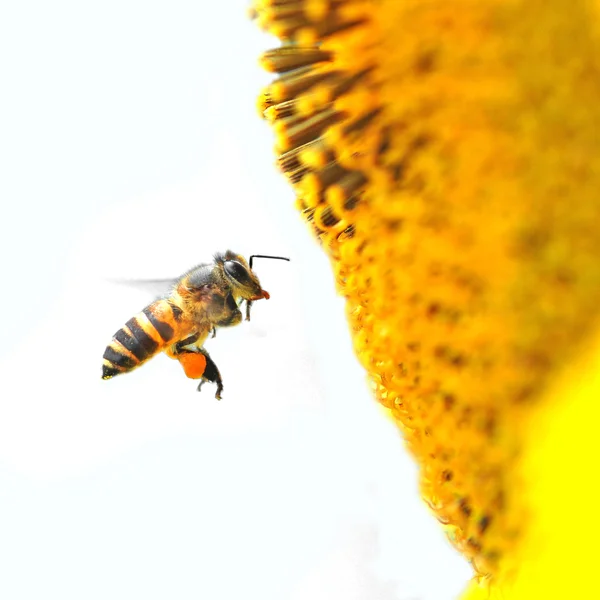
(447, 156)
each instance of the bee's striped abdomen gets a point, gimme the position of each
(141, 338)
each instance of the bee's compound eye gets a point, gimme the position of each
(236, 271)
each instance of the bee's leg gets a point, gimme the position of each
(230, 314)
(248, 305)
(214, 332)
(198, 364)
(179, 346)
(211, 373)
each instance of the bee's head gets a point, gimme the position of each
(240, 276)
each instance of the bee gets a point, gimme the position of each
(203, 299)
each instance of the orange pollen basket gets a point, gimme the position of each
(193, 364)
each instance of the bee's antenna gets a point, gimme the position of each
(249, 302)
(266, 256)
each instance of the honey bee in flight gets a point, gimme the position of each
(206, 297)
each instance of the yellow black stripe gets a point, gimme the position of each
(131, 344)
(109, 371)
(149, 344)
(142, 337)
(117, 358)
(164, 329)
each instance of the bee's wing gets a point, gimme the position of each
(155, 287)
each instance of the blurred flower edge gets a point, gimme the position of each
(444, 154)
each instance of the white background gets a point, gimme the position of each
(130, 147)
